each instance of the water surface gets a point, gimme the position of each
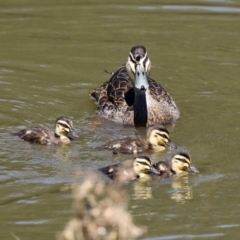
(53, 54)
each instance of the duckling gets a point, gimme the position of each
(180, 164)
(139, 168)
(130, 97)
(45, 136)
(158, 140)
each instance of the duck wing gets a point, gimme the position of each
(114, 93)
(36, 135)
(128, 145)
(164, 167)
(121, 172)
(110, 171)
(158, 92)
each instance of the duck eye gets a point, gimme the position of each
(63, 125)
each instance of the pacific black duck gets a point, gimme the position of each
(131, 97)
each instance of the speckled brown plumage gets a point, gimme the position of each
(45, 136)
(158, 140)
(139, 168)
(115, 100)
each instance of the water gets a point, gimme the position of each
(54, 53)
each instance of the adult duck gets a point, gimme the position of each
(131, 97)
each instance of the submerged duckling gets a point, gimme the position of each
(139, 168)
(158, 140)
(45, 136)
(130, 97)
(180, 164)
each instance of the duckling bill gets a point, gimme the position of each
(63, 133)
(158, 140)
(139, 168)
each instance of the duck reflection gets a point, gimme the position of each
(142, 189)
(182, 191)
(63, 153)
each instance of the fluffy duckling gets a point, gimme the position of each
(158, 139)
(129, 170)
(45, 136)
(180, 164)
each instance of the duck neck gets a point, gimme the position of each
(65, 139)
(140, 108)
(62, 137)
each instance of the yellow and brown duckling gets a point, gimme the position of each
(180, 164)
(158, 140)
(130, 97)
(44, 136)
(139, 168)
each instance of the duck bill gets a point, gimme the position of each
(154, 171)
(171, 144)
(73, 133)
(141, 81)
(192, 169)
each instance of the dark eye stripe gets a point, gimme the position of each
(182, 160)
(143, 163)
(132, 59)
(163, 130)
(163, 135)
(64, 125)
(145, 60)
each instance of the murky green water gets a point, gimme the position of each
(54, 52)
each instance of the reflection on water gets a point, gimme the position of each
(202, 8)
(53, 55)
(142, 190)
(181, 189)
(187, 236)
(63, 153)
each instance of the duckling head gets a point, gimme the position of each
(159, 139)
(181, 163)
(138, 55)
(64, 128)
(142, 167)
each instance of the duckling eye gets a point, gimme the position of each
(185, 168)
(63, 125)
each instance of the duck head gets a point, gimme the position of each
(159, 139)
(142, 167)
(181, 163)
(137, 55)
(64, 128)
